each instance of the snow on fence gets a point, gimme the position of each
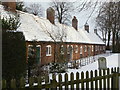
(108, 78)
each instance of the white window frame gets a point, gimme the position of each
(81, 49)
(76, 48)
(100, 48)
(85, 48)
(28, 49)
(62, 50)
(96, 48)
(48, 50)
(103, 47)
(72, 48)
(68, 49)
(92, 48)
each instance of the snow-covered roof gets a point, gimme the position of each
(40, 29)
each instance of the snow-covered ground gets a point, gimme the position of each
(111, 59)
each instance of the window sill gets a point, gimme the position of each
(76, 52)
(48, 55)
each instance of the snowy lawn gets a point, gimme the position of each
(112, 61)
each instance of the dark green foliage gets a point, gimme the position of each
(13, 55)
(32, 63)
(10, 24)
(19, 6)
(57, 68)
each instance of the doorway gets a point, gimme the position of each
(38, 54)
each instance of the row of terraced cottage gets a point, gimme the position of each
(48, 35)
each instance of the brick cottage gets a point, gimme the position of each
(53, 38)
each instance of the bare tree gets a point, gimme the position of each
(59, 38)
(35, 9)
(86, 5)
(63, 11)
(104, 22)
(108, 20)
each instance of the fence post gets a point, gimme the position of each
(77, 78)
(87, 83)
(115, 80)
(39, 82)
(31, 82)
(119, 68)
(100, 81)
(82, 78)
(108, 79)
(13, 83)
(3, 84)
(72, 80)
(60, 80)
(104, 80)
(66, 79)
(96, 81)
(46, 81)
(53, 82)
(91, 76)
(22, 82)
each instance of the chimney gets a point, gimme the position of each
(51, 15)
(75, 23)
(10, 5)
(95, 31)
(86, 27)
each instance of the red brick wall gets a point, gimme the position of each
(47, 59)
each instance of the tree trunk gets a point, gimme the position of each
(117, 43)
(113, 42)
(108, 43)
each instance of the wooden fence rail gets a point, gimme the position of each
(107, 79)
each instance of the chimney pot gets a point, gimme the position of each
(95, 31)
(51, 15)
(86, 27)
(75, 23)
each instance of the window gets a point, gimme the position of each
(98, 48)
(48, 50)
(104, 47)
(85, 48)
(92, 48)
(95, 48)
(30, 50)
(80, 49)
(62, 49)
(76, 48)
(68, 49)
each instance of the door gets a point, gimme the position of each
(89, 52)
(38, 54)
(71, 52)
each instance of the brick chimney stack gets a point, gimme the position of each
(51, 15)
(75, 23)
(10, 5)
(86, 27)
(95, 31)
